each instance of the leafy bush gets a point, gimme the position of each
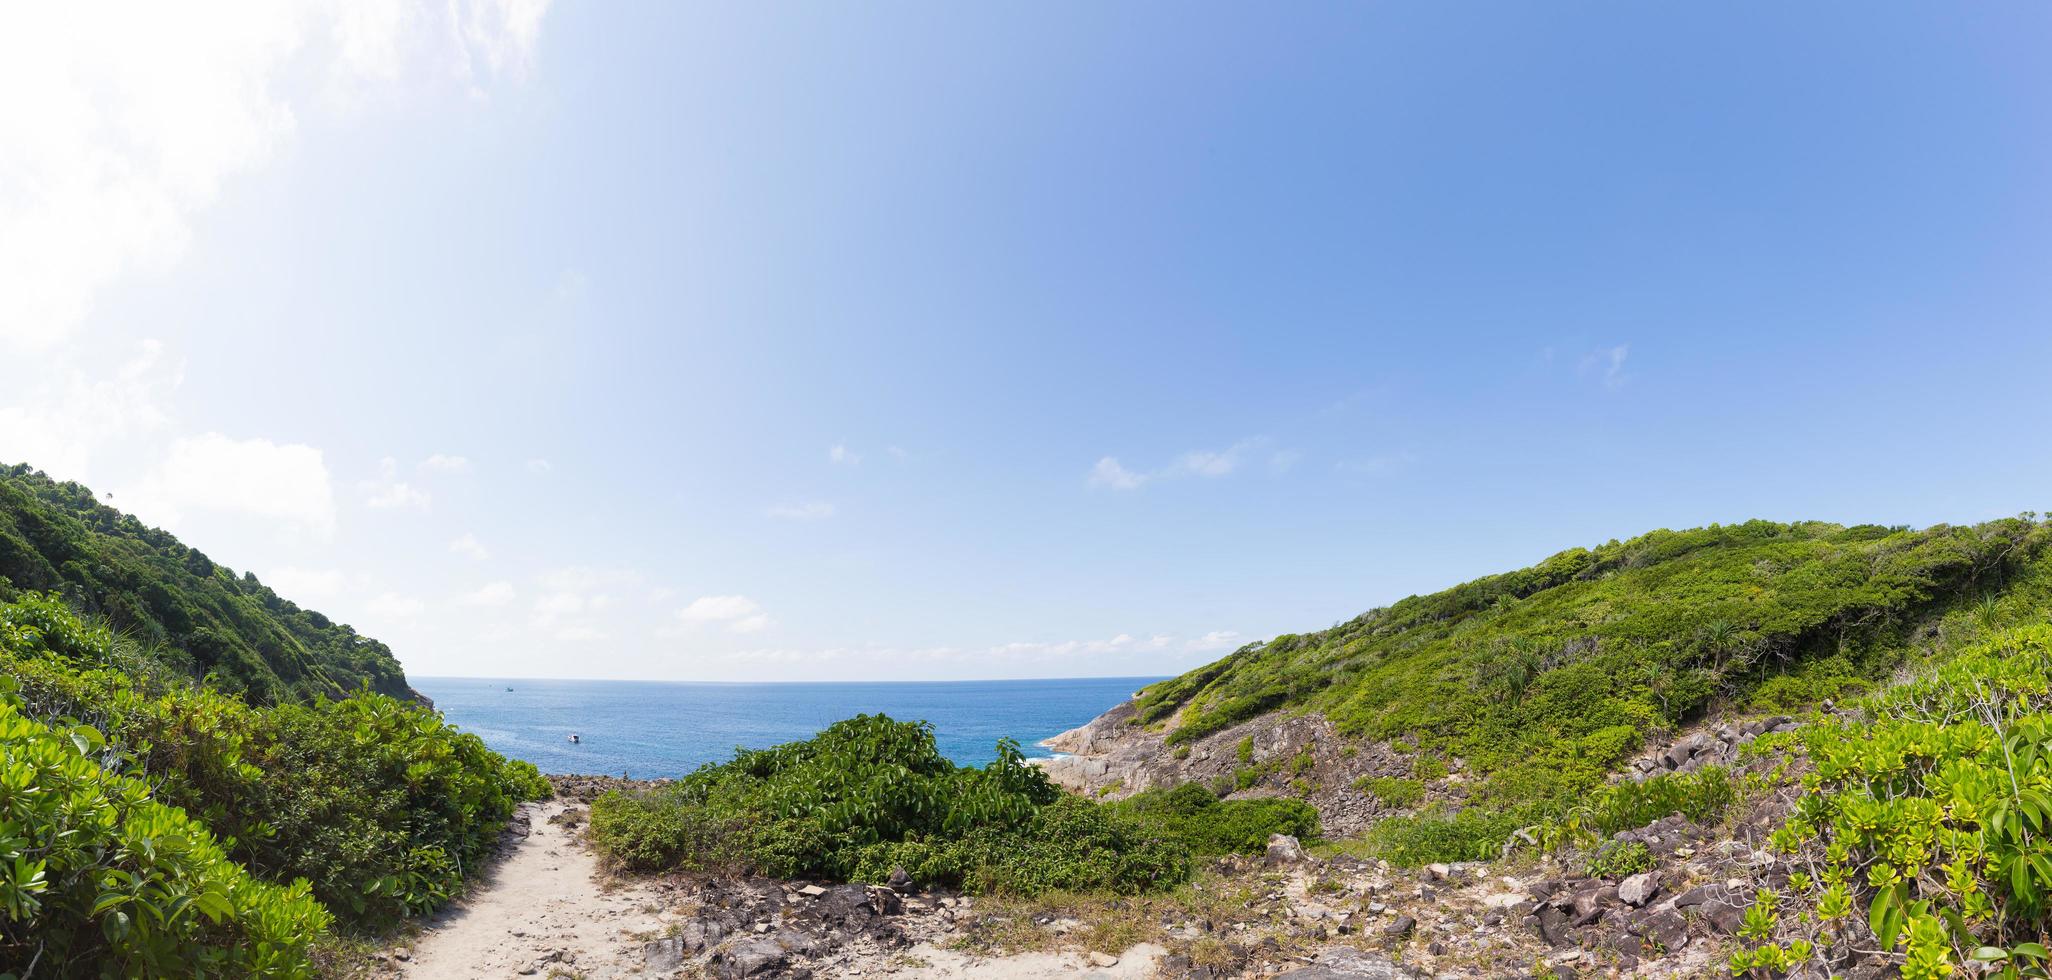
(99, 879)
(1620, 859)
(869, 793)
(1394, 792)
(1195, 818)
(1929, 816)
(1434, 834)
(376, 801)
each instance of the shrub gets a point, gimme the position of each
(870, 793)
(1924, 822)
(1394, 792)
(1204, 825)
(1620, 859)
(375, 801)
(97, 878)
(1470, 834)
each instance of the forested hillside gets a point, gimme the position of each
(1544, 679)
(197, 617)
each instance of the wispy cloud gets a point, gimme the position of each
(1207, 464)
(254, 477)
(811, 510)
(392, 605)
(490, 594)
(737, 613)
(388, 492)
(469, 547)
(443, 463)
(1607, 365)
(841, 454)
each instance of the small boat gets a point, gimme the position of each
(509, 690)
(573, 737)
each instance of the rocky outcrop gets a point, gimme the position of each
(1292, 755)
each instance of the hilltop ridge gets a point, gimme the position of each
(194, 615)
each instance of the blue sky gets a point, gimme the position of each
(763, 342)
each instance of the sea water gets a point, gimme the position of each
(650, 729)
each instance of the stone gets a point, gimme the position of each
(900, 880)
(748, 958)
(1098, 959)
(1664, 928)
(812, 891)
(1440, 872)
(664, 955)
(1701, 894)
(1284, 849)
(1344, 963)
(1400, 928)
(1638, 889)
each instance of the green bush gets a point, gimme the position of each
(870, 793)
(375, 801)
(99, 879)
(1204, 825)
(1394, 792)
(1924, 823)
(1620, 859)
(1434, 834)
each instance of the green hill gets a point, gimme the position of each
(195, 616)
(1544, 679)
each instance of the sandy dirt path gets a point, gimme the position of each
(540, 909)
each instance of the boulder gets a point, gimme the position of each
(752, 957)
(900, 880)
(1638, 889)
(1664, 928)
(1284, 849)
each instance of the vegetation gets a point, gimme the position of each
(1204, 825)
(98, 878)
(1925, 823)
(374, 800)
(870, 794)
(1543, 680)
(197, 617)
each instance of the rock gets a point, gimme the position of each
(1638, 889)
(1402, 927)
(900, 880)
(1284, 849)
(811, 891)
(1439, 872)
(1700, 895)
(664, 955)
(1103, 959)
(1664, 928)
(1343, 963)
(751, 957)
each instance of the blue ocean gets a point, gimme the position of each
(647, 729)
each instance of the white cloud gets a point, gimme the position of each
(842, 454)
(60, 423)
(489, 594)
(440, 463)
(1108, 473)
(469, 546)
(812, 510)
(1205, 463)
(392, 605)
(1215, 640)
(1606, 364)
(739, 613)
(539, 465)
(302, 585)
(388, 492)
(122, 125)
(251, 477)
(579, 634)
(556, 605)
(897, 452)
